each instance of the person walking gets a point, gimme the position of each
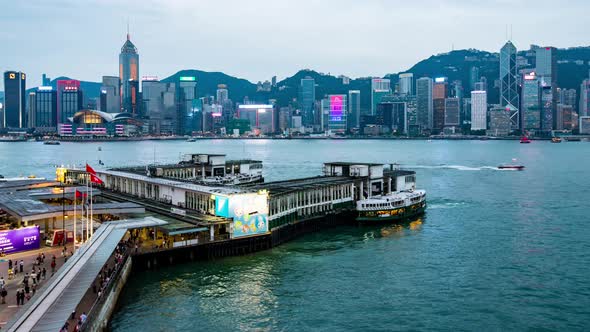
(10, 263)
(2, 282)
(53, 267)
(44, 272)
(34, 276)
(3, 293)
(22, 266)
(18, 296)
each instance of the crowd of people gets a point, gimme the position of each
(30, 282)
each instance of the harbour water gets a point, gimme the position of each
(497, 250)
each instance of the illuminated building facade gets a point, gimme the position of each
(530, 108)
(69, 99)
(307, 100)
(338, 114)
(129, 76)
(45, 109)
(14, 100)
(188, 111)
(261, 117)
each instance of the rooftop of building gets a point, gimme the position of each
(287, 186)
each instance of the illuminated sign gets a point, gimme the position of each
(12, 76)
(45, 88)
(530, 76)
(60, 174)
(22, 76)
(149, 78)
(256, 106)
(187, 78)
(440, 79)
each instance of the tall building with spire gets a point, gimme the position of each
(129, 75)
(509, 98)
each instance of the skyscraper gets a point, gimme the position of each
(584, 108)
(546, 63)
(424, 103)
(548, 108)
(406, 84)
(452, 112)
(45, 109)
(479, 108)
(354, 108)
(187, 105)
(380, 87)
(473, 77)
(307, 100)
(338, 114)
(110, 94)
(129, 73)
(440, 91)
(530, 108)
(14, 99)
(509, 83)
(69, 89)
(222, 93)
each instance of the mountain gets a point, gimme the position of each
(455, 65)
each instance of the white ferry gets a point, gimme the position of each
(403, 202)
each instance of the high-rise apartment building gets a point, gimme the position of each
(424, 107)
(45, 109)
(452, 112)
(546, 65)
(15, 100)
(584, 107)
(338, 114)
(187, 105)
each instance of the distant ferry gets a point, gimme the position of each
(51, 142)
(403, 203)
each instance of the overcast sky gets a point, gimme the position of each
(256, 39)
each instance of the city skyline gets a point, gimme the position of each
(255, 44)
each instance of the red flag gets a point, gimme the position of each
(80, 194)
(95, 179)
(90, 170)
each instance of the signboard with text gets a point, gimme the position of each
(22, 239)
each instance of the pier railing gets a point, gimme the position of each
(104, 293)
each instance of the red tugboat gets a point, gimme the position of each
(524, 139)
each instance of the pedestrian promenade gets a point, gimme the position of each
(51, 308)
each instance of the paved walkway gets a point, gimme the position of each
(8, 310)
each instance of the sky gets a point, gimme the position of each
(257, 39)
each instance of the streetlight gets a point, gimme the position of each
(63, 211)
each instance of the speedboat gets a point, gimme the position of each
(191, 140)
(51, 143)
(524, 139)
(510, 166)
(556, 140)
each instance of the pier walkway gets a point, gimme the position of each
(52, 306)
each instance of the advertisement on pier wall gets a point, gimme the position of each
(248, 211)
(22, 239)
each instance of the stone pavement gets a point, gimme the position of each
(8, 310)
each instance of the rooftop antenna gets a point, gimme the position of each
(507, 32)
(128, 28)
(510, 31)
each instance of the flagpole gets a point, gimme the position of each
(75, 201)
(91, 212)
(86, 200)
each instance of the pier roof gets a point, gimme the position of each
(282, 187)
(221, 190)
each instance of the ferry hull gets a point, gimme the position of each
(393, 215)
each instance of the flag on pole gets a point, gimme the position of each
(92, 173)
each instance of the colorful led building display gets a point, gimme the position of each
(337, 115)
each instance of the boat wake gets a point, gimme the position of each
(445, 204)
(457, 167)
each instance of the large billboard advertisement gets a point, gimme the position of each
(22, 239)
(248, 211)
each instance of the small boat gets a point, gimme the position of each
(191, 140)
(573, 139)
(510, 166)
(51, 143)
(99, 148)
(524, 139)
(555, 140)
